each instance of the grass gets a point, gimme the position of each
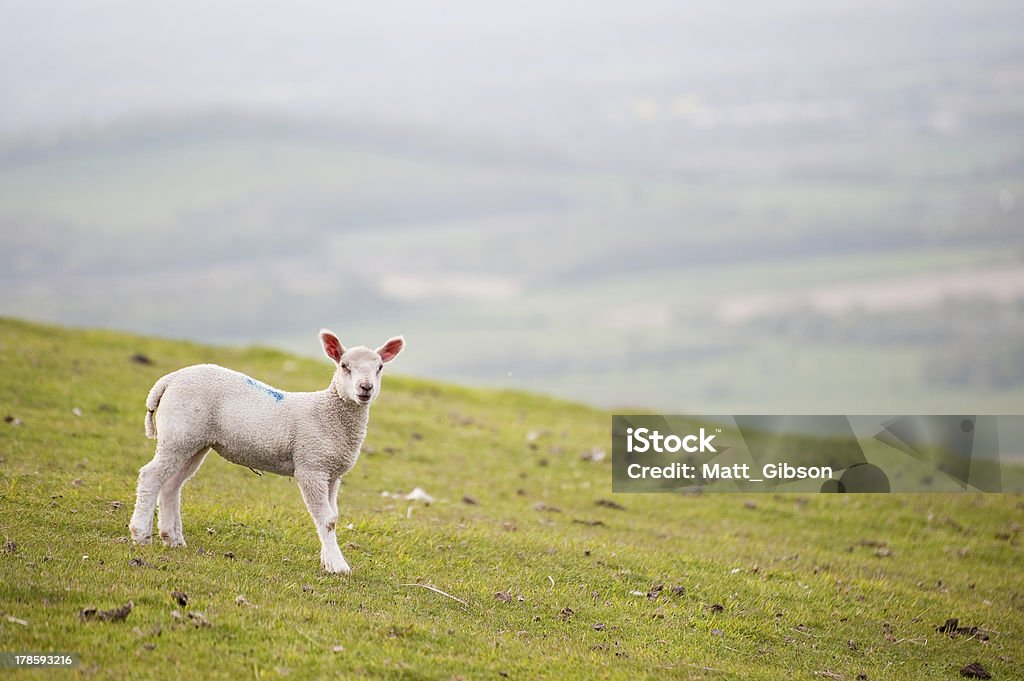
(775, 586)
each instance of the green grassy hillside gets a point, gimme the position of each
(759, 587)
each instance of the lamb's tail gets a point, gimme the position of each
(153, 401)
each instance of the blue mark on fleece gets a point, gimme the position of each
(276, 394)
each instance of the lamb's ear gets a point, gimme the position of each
(332, 346)
(390, 350)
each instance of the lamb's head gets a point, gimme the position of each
(358, 375)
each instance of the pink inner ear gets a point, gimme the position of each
(390, 350)
(332, 346)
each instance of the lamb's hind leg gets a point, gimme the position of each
(315, 492)
(169, 501)
(168, 461)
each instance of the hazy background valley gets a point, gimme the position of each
(756, 207)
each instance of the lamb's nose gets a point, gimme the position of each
(365, 386)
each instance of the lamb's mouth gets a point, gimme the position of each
(364, 398)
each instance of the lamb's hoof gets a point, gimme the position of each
(172, 541)
(335, 565)
(138, 537)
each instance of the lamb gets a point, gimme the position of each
(314, 437)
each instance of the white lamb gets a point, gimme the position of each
(314, 437)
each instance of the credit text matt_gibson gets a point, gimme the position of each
(643, 440)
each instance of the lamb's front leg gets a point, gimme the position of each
(316, 490)
(332, 494)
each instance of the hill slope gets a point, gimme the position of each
(771, 587)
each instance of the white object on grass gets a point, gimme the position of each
(418, 494)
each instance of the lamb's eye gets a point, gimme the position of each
(380, 368)
(345, 366)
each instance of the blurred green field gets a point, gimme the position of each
(497, 260)
(769, 587)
